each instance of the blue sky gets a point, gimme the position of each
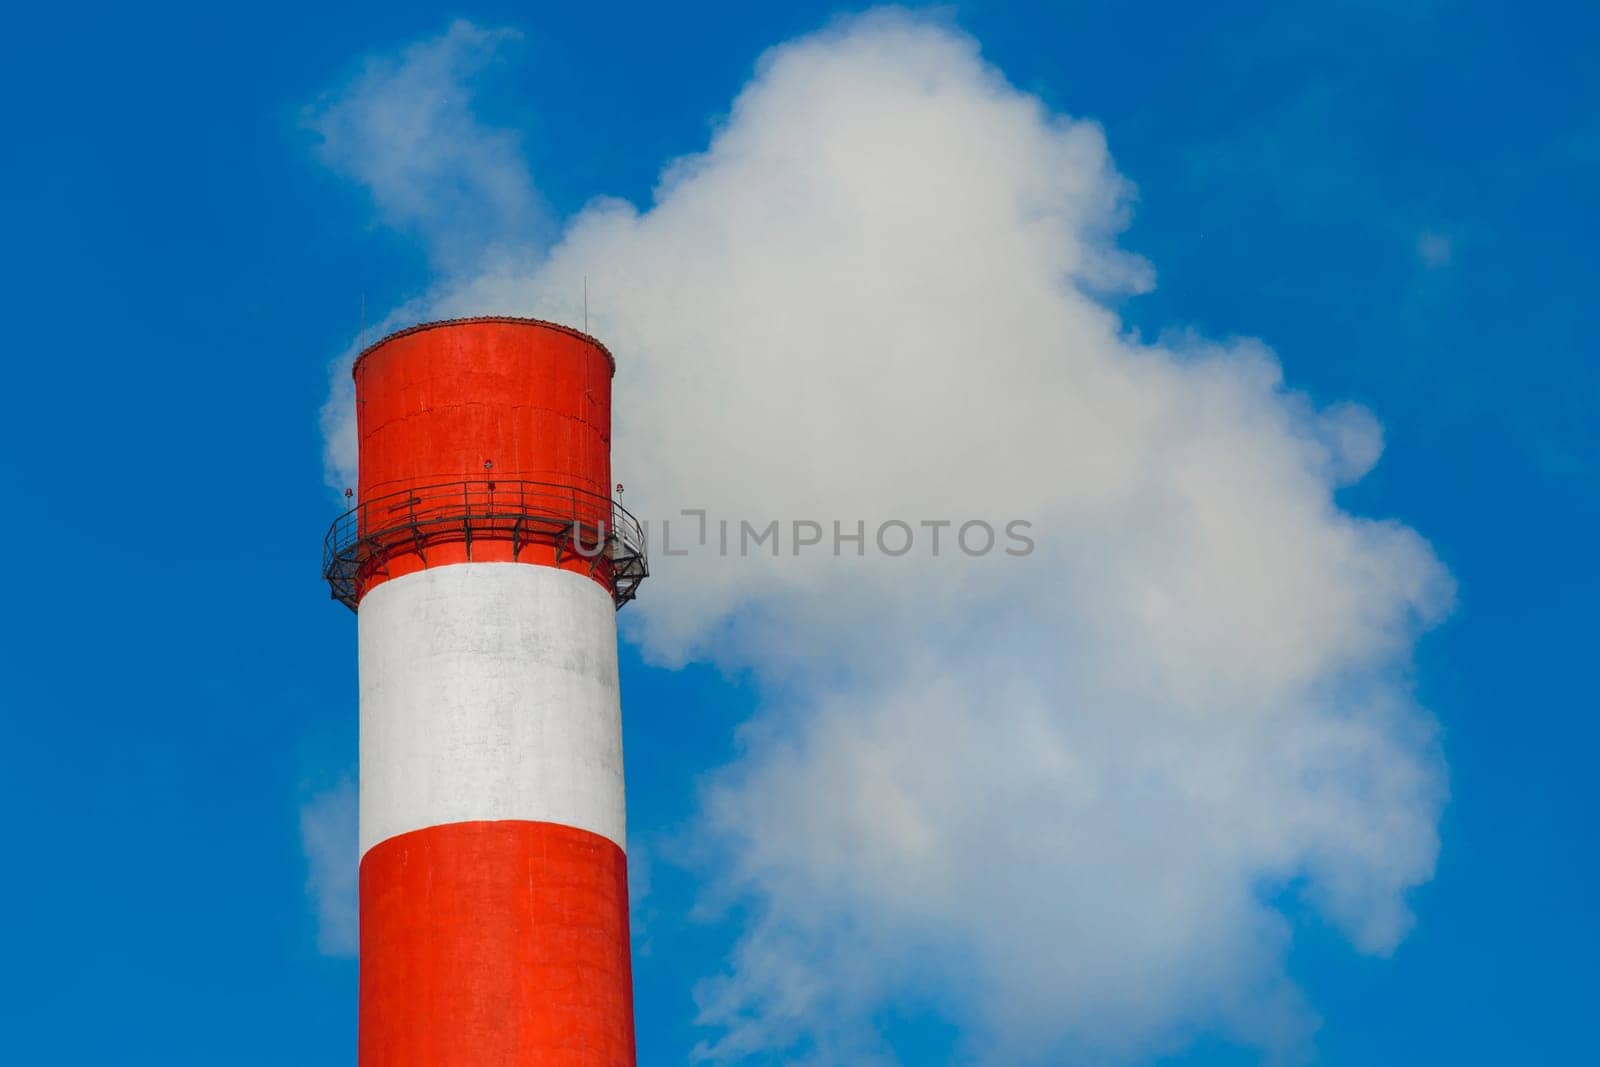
(1395, 200)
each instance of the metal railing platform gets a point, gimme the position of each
(575, 523)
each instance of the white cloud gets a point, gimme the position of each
(407, 130)
(1058, 798)
(328, 837)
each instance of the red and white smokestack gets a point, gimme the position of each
(486, 562)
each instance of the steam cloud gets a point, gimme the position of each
(328, 838)
(1060, 799)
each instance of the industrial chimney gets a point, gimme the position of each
(486, 561)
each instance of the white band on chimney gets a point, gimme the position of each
(489, 691)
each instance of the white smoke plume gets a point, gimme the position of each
(405, 128)
(328, 838)
(1060, 798)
